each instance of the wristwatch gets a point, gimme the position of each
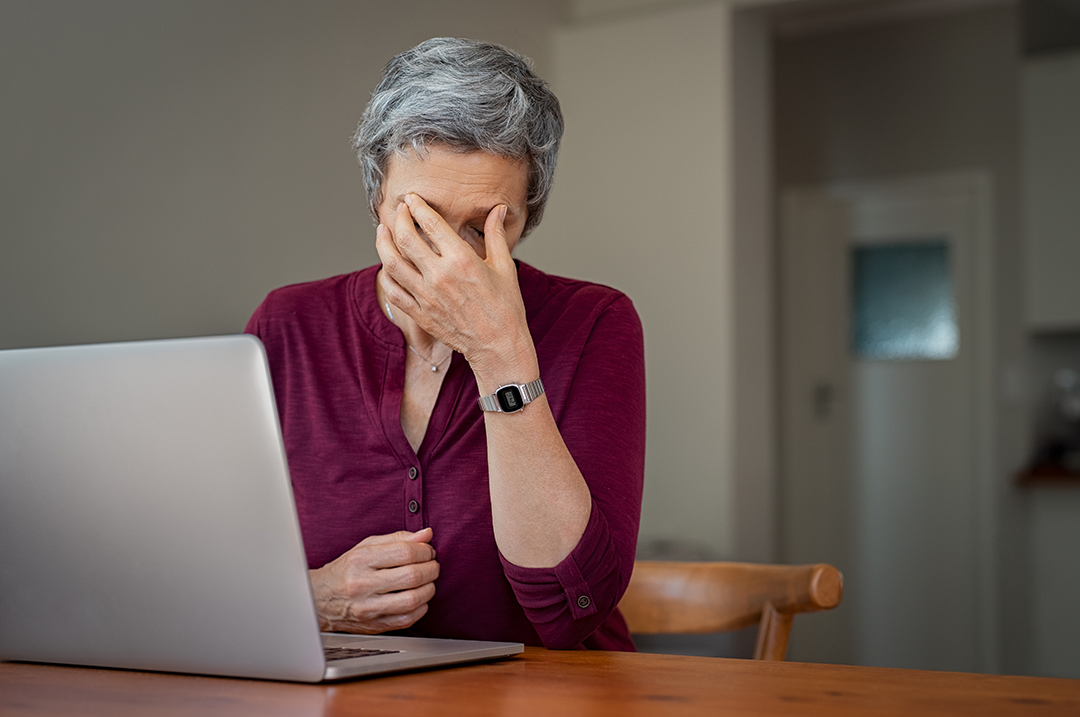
(512, 397)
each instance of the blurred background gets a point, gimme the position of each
(851, 228)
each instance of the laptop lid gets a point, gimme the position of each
(147, 519)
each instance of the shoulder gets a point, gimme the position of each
(546, 295)
(572, 321)
(588, 338)
(318, 301)
(309, 295)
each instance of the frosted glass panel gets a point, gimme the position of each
(902, 300)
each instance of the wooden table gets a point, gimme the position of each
(553, 684)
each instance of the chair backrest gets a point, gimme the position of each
(676, 597)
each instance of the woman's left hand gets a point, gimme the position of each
(470, 303)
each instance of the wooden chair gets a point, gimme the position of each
(673, 597)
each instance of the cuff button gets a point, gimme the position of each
(584, 602)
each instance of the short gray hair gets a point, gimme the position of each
(466, 95)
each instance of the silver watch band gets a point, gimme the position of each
(529, 392)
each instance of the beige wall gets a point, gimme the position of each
(645, 201)
(642, 202)
(163, 165)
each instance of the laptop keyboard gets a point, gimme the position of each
(347, 653)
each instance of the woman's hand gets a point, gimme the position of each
(463, 291)
(382, 584)
(464, 295)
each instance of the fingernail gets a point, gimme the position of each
(502, 212)
(379, 229)
(409, 199)
(401, 206)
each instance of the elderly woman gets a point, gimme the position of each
(465, 433)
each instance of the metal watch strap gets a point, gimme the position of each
(529, 392)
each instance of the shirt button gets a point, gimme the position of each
(414, 506)
(412, 473)
(583, 602)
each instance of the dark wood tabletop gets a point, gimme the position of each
(554, 684)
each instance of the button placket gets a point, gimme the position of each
(414, 490)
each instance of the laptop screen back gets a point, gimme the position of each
(146, 516)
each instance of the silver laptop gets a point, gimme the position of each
(147, 520)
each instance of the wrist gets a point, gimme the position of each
(516, 364)
(318, 594)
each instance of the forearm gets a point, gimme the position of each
(595, 407)
(540, 503)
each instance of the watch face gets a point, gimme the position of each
(509, 398)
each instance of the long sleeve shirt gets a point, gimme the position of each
(338, 369)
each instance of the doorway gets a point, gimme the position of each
(885, 417)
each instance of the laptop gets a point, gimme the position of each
(147, 520)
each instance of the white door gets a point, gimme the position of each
(885, 443)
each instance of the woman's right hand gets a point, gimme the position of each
(383, 583)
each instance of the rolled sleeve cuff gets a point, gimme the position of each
(568, 602)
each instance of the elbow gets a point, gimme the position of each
(569, 632)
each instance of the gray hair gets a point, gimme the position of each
(466, 95)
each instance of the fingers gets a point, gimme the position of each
(398, 622)
(435, 229)
(392, 598)
(405, 577)
(497, 250)
(404, 602)
(420, 536)
(423, 535)
(392, 555)
(408, 256)
(394, 611)
(389, 551)
(383, 583)
(419, 232)
(388, 252)
(372, 614)
(395, 267)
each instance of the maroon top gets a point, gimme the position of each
(338, 367)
